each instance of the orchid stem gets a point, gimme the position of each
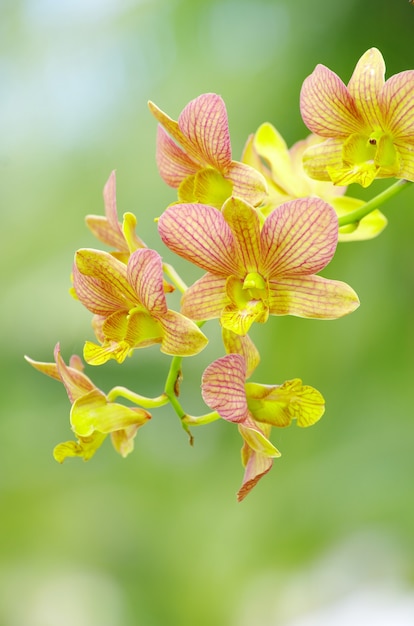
(358, 214)
(175, 278)
(146, 403)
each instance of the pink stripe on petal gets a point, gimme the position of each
(299, 238)
(205, 299)
(181, 336)
(397, 103)
(173, 163)
(327, 107)
(145, 275)
(256, 467)
(97, 296)
(244, 222)
(106, 268)
(311, 297)
(366, 84)
(200, 234)
(76, 383)
(222, 387)
(248, 183)
(204, 122)
(318, 158)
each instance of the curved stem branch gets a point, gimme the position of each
(368, 207)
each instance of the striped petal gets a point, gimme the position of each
(205, 299)
(222, 387)
(200, 234)
(242, 344)
(327, 107)
(248, 183)
(406, 153)
(397, 104)
(145, 274)
(256, 466)
(366, 84)
(299, 238)
(181, 336)
(320, 158)
(204, 122)
(97, 296)
(173, 163)
(244, 222)
(311, 296)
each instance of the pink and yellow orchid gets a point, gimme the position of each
(130, 306)
(256, 408)
(286, 179)
(254, 272)
(194, 155)
(93, 417)
(368, 125)
(109, 230)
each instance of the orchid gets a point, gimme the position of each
(109, 230)
(130, 306)
(286, 179)
(93, 416)
(256, 408)
(255, 272)
(368, 125)
(194, 155)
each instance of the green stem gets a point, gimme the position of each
(175, 278)
(368, 207)
(201, 419)
(146, 403)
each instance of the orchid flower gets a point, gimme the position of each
(194, 155)
(109, 230)
(286, 179)
(256, 408)
(255, 272)
(368, 125)
(92, 415)
(130, 306)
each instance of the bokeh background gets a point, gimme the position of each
(158, 539)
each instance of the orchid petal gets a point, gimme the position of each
(257, 465)
(204, 122)
(317, 159)
(181, 336)
(173, 163)
(244, 346)
(85, 447)
(75, 382)
(200, 234)
(256, 439)
(406, 153)
(244, 223)
(207, 186)
(248, 183)
(106, 269)
(93, 412)
(99, 297)
(311, 296)
(397, 103)
(370, 226)
(327, 107)
(299, 237)
(222, 387)
(366, 84)
(123, 440)
(271, 146)
(205, 299)
(145, 274)
(98, 355)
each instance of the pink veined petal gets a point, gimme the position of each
(317, 158)
(242, 344)
(248, 183)
(200, 234)
(75, 382)
(244, 223)
(406, 152)
(204, 122)
(182, 337)
(326, 105)
(103, 231)
(205, 299)
(144, 272)
(106, 268)
(299, 238)
(222, 387)
(397, 102)
(97, 296)
(366, 84)
(257, 465)
(311, 296)
(109, 194)
(173, 163)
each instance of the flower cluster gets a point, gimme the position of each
(261, 229)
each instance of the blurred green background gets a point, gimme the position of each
(158, 539)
